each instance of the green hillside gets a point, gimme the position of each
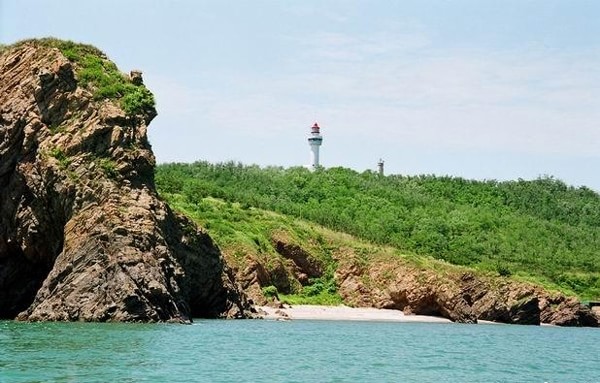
(543, 230)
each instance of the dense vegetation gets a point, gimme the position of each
(244, 233)
(541, 230)
(101, 75)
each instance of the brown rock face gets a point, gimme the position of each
(464, 298)
(394, 285)
(305, 266)
(503, 301)
(83, 234)
(563, 311)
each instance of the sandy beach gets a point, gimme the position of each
(304, 312)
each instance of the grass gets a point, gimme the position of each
(57, 128)
(323, 299)
(321, 291)
(109, 83)
(244, 233)
(63, 160)
(108, 166)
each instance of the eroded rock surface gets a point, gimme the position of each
(83, 234)
(464, 298)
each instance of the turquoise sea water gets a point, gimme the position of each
(296, 351)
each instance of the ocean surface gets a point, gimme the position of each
(296, 351)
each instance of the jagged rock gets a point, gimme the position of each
(287, 273)
(526, 311)
(305, 266)
(83, 233)
(254, 273)
(136, 77)
(562, 311)
(252, 278)
(504, 301)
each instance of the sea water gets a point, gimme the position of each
(296, 351)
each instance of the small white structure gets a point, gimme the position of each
(380, 167)
(315, 140)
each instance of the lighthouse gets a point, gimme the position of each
(315, 140)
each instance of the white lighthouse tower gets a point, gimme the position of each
(315, 140)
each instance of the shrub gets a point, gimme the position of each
(63, 160)
(137, 99)
(109, 83)
(270, 292)
(503, 270)
(102, 76)
(109, 167)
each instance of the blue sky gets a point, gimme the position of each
(477, 89)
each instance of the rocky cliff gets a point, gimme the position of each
(83, 233)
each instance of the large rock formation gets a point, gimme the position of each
(83, 234)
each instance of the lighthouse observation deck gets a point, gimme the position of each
(315, 137)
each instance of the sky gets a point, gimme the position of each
(496, 89)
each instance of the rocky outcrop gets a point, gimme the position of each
(460, 297)
(422, 294)
(564, 311)
(252, 279)
(501, 300)
(392, 284)
(304, 265)
(83, 233)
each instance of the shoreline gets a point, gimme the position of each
(344, 313)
